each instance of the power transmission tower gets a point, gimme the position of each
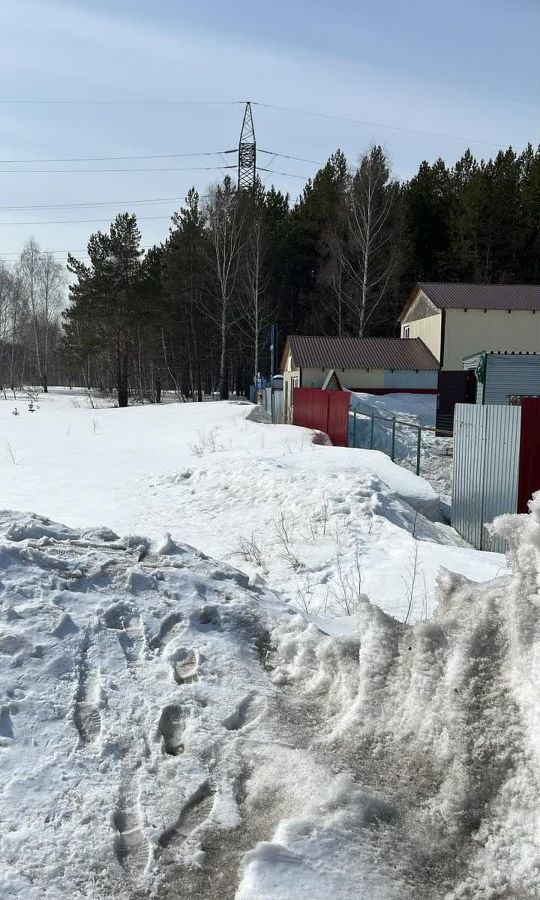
(247, 152)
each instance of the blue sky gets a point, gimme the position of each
(465, 70)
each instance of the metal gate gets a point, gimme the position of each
(452, 388)
(322, 410)
(486, 470)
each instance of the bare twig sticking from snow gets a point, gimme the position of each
(11, 453)
(284, 534)
(348, 596)
(251, 552)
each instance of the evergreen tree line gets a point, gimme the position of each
(193, 313)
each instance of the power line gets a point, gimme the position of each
(97, 203)
(64, 252)
(78, 102)
(260, 103)
(288, 156)
(286, 174)
(320, 115)
(78, 221)
(116, 158)
(77, 171)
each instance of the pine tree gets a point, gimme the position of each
(105, 298)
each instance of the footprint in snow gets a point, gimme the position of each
(168, 625)
(185, 665)
(171, 730)
(193, 813)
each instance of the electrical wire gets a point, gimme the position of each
(286, 174)
(287, 156)
(79, 221)
(320, 115)
(97, 203)
(116, 158)
(77, 102)
(89, 171)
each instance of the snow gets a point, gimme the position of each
(288, 678)
(445, 717)
(416, 409)
(216, 480)
(419, 409)
(137, 731)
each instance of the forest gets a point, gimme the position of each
(193, 314)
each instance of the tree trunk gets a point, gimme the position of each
(122, 380)
(223, 373)
(45, 384)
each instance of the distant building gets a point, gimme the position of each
(374, 365)
(454, 320)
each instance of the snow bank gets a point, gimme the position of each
(444, 717)
(304, 517)
(143, 750)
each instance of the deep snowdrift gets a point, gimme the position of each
(169, 730)
(445, 718)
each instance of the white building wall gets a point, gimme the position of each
(424, 320)
(467, 332)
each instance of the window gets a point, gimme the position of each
(406, 329)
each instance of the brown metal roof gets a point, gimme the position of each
(482, 296)
(315, 352)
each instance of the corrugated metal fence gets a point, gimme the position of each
(326, 411)
(272, 400)
(486, 470)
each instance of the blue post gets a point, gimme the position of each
(418, 450)
(393, 438)
(354, 430)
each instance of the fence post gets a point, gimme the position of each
(418, 450)
(354, 429)
(393, 438)
(372, 426)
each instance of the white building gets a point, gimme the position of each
(455, 320)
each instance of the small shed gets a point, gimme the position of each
(502, 375)
(369, 365)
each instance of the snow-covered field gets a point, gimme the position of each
(318, 524)
(304, 703)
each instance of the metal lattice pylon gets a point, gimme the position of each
(247, 152)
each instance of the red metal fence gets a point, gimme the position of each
(529, 452)
(326, 411)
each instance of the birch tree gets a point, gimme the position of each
(370, 253)
(43, 281)
(255, 300)
(225, 215)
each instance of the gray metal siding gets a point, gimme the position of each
(508, 374)
(486, 470)
(411, 380)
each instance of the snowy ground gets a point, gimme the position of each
(319, 524)
(172, 727)
(418, 409)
